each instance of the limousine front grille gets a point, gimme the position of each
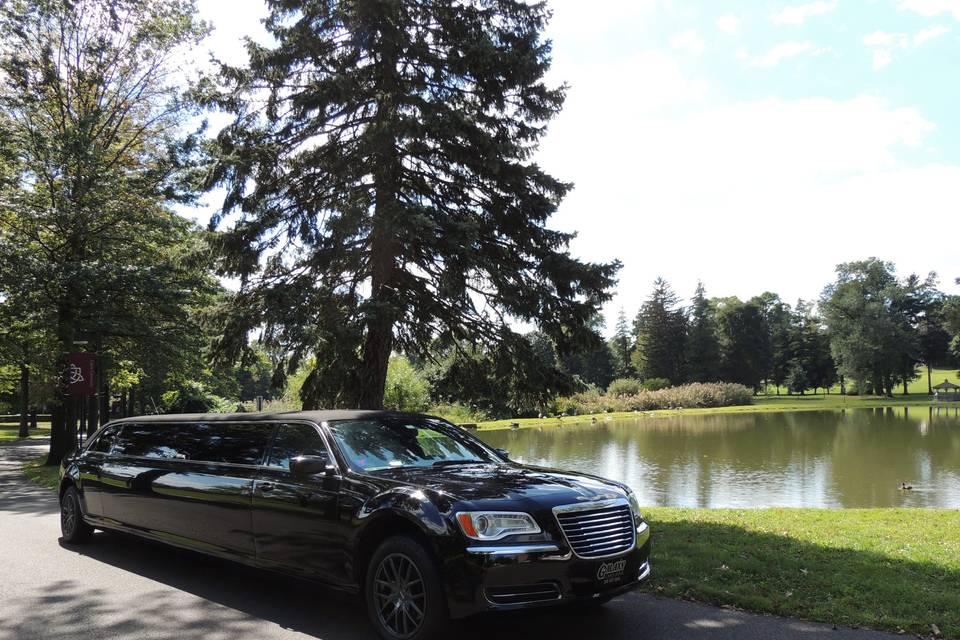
(523, 594)
(597, 531)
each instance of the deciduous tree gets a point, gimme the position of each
(94, 115)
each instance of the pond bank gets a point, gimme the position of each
(890, 569)
(819, 402)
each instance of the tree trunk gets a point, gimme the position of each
(929, 380)
(24, 400)
(905, 392)
(381, 307)
(61, 414)
(104, 400)
(82, 416)
(93, 411)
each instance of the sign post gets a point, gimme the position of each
(81, 383)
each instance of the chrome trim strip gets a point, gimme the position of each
(644, 571)
(516, 550)
(590, 506)
(519, 603)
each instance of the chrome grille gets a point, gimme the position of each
(599, 529)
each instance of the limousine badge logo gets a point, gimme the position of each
(611, 571)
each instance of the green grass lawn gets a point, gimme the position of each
(34, 469)
(11, 431)
(887, 569)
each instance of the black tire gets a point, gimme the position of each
(72, 527)
(403, 592)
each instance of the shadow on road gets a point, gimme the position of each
(16, 494)
(251, 593)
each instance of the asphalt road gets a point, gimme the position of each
(120, 587)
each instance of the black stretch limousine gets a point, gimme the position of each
(418, 515)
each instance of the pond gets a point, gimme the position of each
(851, 458)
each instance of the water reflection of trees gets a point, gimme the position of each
(844, 458)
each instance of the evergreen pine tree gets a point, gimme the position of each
(621, 345)
(660, 335)
(703, 348)
(379, 169)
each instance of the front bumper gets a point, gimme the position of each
(504, 577)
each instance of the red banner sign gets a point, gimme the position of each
(81, 380)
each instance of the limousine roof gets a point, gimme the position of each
(312, 416)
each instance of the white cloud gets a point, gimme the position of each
(781, 52)
(884, 43)
(925, 35)
(729, 24)
(881, 58)
(579, 20)
(689, 41)
(725, 182)
(884, 39)
(798, 14)
(931, 8)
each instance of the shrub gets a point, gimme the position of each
(458, 413)
(655, 384)
(194, 397)
(565, 406)
(624, 387)
(407, 388)
(697, 394)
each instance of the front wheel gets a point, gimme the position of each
(403, 591)
(72, 526)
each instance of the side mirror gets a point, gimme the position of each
(503, 453)
(309, 465)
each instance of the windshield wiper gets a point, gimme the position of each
(443, 463)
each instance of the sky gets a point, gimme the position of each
(751, 145)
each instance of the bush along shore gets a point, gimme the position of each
(699, 395)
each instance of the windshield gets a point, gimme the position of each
(373, 445)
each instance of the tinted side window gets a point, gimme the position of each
(104, 440)
(295, 440)
(149, 441)
(220, 442)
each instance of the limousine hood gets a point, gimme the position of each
(479, 483)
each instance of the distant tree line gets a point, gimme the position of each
(869, 332)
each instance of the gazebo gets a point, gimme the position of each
(945, 386)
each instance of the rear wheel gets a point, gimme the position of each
(72, 526)
(403, 591)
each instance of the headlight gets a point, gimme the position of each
(493, 525)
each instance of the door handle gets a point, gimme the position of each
(265, 486)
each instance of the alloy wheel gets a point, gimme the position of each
(68, 516)
(399, 595)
